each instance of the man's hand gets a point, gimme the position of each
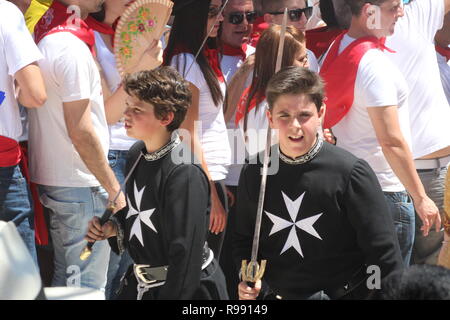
(247, 293)
(429, 214)
(96, 232)
(329, 137)
(120, 201)
(218, 216)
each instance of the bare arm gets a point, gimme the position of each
(31, 86)
(443, 36)
(77, 116)
(396, 150)
(115, 105)
(218, 215)
(447, 6)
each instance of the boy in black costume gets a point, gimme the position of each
(165, 222)
(325, 219)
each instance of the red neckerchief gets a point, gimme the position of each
(212, 55)
(258, 27)
(319, 40)
(56, 19)
(445, 52)
(339, 74)
(242, 105)
(10, 153)
(228, 50)
(101, 28)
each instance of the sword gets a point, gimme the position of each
(252, 272)
(86, 252)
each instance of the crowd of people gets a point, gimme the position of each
(348, 98)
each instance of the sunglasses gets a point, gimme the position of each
(296, 14)
(214, 11)
(238, 17)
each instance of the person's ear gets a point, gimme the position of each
(368, 10)
(269, 118)
(322, 112)
(168, 118)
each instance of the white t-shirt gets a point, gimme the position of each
(378, 84)
(444, 69)
(17, 50)
(118, 139)
(213, 133)
(70, 74)
(229, 66)
(415, 57)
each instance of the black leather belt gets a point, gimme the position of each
(150, 277)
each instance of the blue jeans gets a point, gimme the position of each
(70, 210)
(16, 205)
(402, 211)
(426, 249)
(118, 264)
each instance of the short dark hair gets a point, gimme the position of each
(418, 282)
(163, 88)
(295, 80)
(356, 5)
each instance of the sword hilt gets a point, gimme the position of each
(86, 252)
(252, 272)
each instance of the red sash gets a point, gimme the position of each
(319, 40)
(56, 19)
(242, 105)
(445, 52)
(10, 153)
(339, 73)
(228, 50)
(40, 226)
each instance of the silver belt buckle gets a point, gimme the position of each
(142, 276)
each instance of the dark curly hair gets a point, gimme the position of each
(164, 89)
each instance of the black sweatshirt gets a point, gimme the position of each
(342, 223)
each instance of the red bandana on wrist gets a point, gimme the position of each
(212, 55)
(56, 19)
(339, 74)
(228, 50)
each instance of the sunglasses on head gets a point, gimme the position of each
(296, 14)
(238, 17)
(214, 11)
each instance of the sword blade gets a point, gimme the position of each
(262, 189)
